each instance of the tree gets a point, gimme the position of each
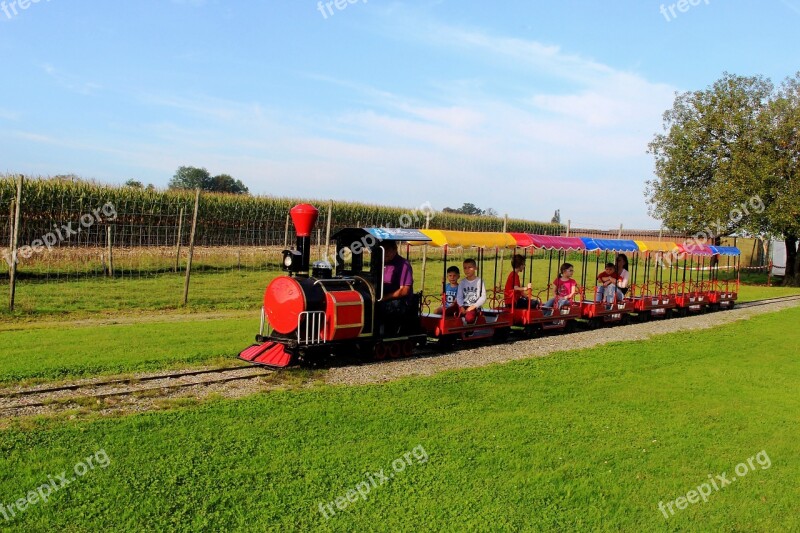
(471, 209)
(780, 129)
(200, 178)
(135, 184)
(556, 217)
(727, 155)
(191, 178)
(225, 183)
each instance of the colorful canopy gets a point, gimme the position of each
(609, 245)
(694, 248)
(725, 250)
(397, 234)
(656, 246)
(480, 239)
(352, 235)
(466, 239)
(548, 242)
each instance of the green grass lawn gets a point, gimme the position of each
(36, 353)
(583, 440)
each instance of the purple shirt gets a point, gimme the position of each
(397, 273)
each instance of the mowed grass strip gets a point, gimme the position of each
(581, 440)
(81, 351)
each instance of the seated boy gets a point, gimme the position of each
(471, 293)
(607, 284)
(450, 291)
(514, 293)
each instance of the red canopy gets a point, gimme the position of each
(548, 242)
(694, 248)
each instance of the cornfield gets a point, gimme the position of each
(152, 218)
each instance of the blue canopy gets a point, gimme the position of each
(725, 250)
(397, 234)
(609, 245)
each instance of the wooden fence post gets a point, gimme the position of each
(286, 233)
(328, 230)
(110, 255)
(12, 272)
(191, 249)
(178, 242)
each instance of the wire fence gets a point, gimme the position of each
(74, 231)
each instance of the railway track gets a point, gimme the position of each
(766, 301)
(98, 390)
(16, 401)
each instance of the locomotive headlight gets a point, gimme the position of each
(292, 260)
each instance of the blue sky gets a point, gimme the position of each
(522, 106)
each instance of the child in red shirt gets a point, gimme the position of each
(607, 284)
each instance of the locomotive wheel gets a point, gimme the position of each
(394, 350)
(408, 348)
(379, 352)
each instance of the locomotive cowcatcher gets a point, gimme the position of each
(315, 314)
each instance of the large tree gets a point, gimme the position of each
(225, 183)
(722, 162)
(200, 178)
(191, 178)
(781, 133)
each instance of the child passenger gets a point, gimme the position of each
(607, 284)
(450, 292)
(514, 292)
(471, 292)
(565, 289)
(624, 276)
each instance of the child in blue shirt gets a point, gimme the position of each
(450, 291)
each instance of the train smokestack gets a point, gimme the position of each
(304, 216)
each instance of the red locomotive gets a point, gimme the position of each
(321, 313)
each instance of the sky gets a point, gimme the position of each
(524, 107)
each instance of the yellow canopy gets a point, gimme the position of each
(656, 246)
(468, 239)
